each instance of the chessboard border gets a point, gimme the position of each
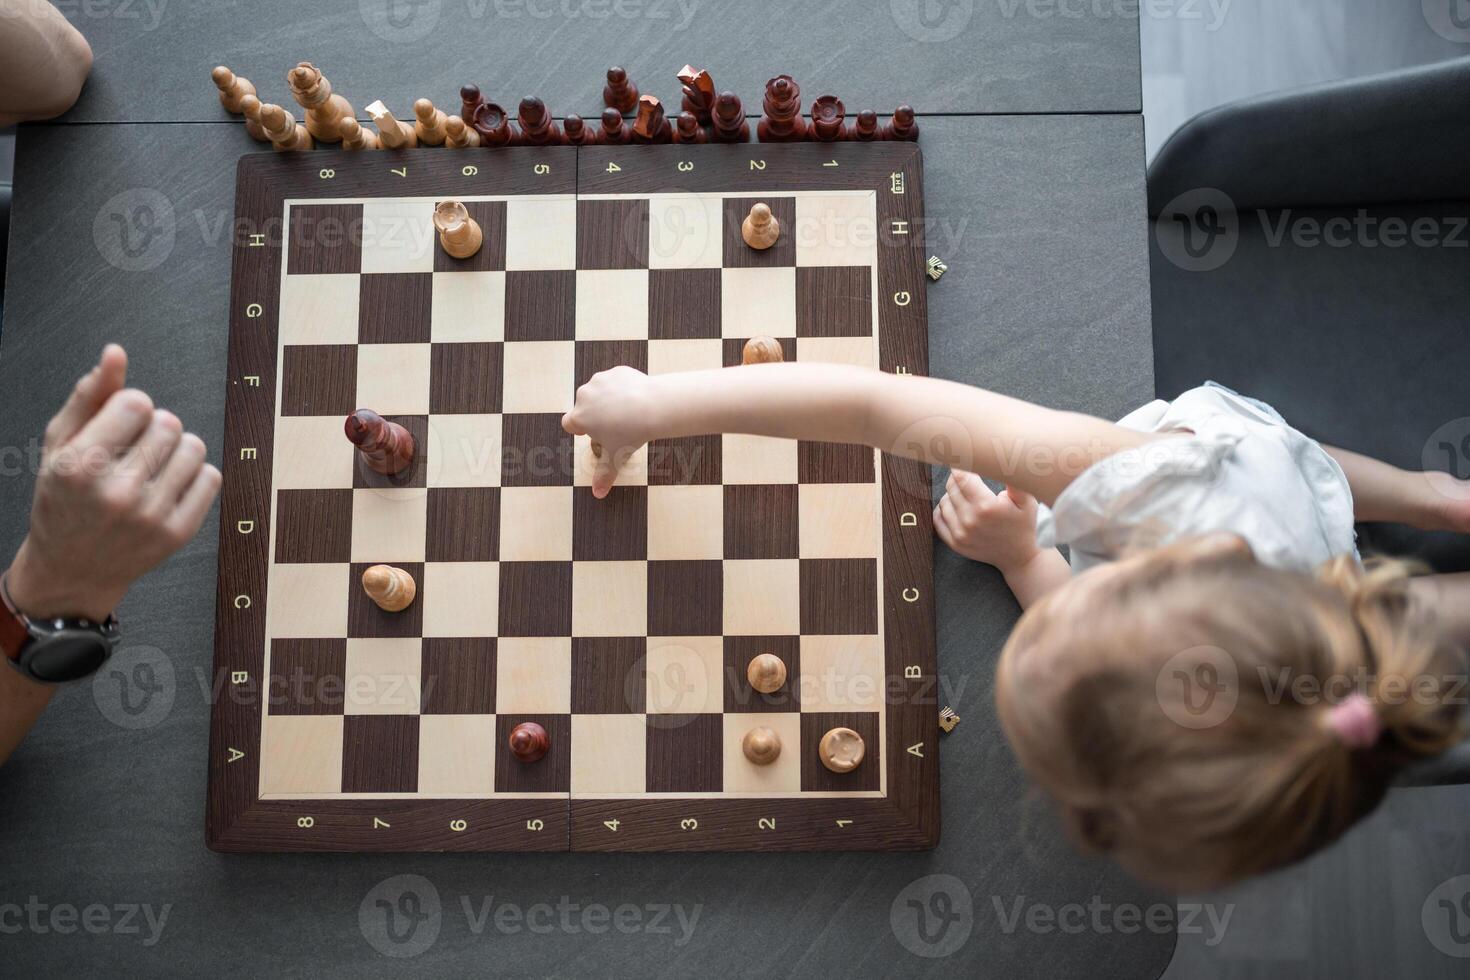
(238, 820)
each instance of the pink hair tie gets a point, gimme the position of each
(1355, 721)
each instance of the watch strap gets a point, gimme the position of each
(14, 627)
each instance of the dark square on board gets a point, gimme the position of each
(609, 675)
(458, 676)
(535, 598)
(739, 255)
(395, 307)
(535, 451)
(364, 477)
(816, 777)
(612, 234)
(834, 301)
(761, 521)
(612, 529)
(463, 524)
(686, 598)
(839, 596)
(490, 215)
(540, 305)
(366, 619)
(684, 304)
(552, 773)
(313, 525)
(324, 239)
(307, 677)
(319, 379)
(685, 753)
(739, 652)
(465, 379)
(380, 753)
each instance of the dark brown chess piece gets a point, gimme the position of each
(576, 132)
(782, 122)
(385, 447)
(828, 114)
(613, 132)
(537, 127)
(688, 130)
(620, 93)
(651, 126)
(728, 118)
(866, 127)
(903, 126)
(485, 118)
(699, 93)
(529, 742)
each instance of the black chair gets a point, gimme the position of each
(1312, 248)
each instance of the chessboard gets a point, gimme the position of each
(623, 627)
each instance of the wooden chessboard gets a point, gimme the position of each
(622, 626)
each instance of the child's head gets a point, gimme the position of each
(1181, 705)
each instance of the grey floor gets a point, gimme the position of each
(1363, 908)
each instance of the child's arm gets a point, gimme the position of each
(999, 529)
(1381, 492)
(1039, 450)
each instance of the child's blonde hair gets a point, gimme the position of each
(1194, 787)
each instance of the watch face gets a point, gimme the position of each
(65, 656)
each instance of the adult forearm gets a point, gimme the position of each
(21, 702)
(44, 61)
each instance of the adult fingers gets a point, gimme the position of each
(88, 395)
(180, 471)
(118, 424)
(153, 449)
(184, 522)
(969, 486)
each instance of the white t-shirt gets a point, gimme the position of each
(1243, 470)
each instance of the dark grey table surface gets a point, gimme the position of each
(1042, 221)
(990, 56)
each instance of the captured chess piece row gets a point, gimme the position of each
(705, 117)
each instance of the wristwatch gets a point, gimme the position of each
(54, 650)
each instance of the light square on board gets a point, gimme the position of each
(308, 601)
(839, 520)
(762, 596)
(757, 459)
(461, 598)
(781, 776)
(536, 523)
(319, 310)
(855, 351)
(842, 673)
(465, 450)
(468, 307)
(758, 302)
(302, 755)
(541, 232)
(684, 675)
(609, 756)
(389, 525)
(393, 379)
(539, 376)
(836, 229)
(382, 676)
(612, 304)
(397, 235)
(675, 356)
(685, 523)
(311, 453)
(684, 231)
(610, 598)
(533, 675)
(457, 755)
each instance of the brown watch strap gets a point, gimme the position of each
(13, 632)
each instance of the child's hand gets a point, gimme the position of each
(616, 411)
(998, 529)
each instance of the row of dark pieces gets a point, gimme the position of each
(704, 117)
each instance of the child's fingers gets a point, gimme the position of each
(604, 475)
(969, 486)
(1019, 497)
(951, 514)
(571, 425)
(941, 525)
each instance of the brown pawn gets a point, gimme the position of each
(232, 88)
(393, 589)
(459, 234)
(699, 93)
(282, 129)
(250, 109)
(760, 229)
(428, 123)
(613, 132)
(324, 110)
(392, 134)
(575, 131)
(651, 126)
(385, 447)
(529, 742)
(766, 672)
(354, 137)
(841, 750)
(492, 124)
(728, 119)
(470, 100)
(620, 93)
(762, 350)
(828, 114)
(458, 136)
(903, 126)
(782, 122)
(761, 746)
(538, 128)
(866, 127)
(688, 129)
